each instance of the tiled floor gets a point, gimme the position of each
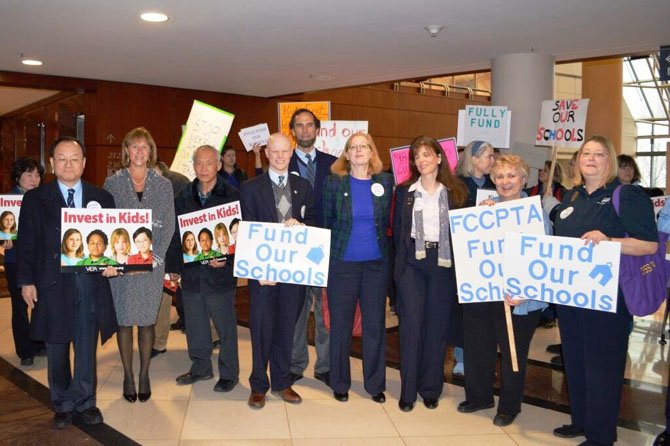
(198, 416)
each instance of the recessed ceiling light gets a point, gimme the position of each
(322, 77)
(154, 17)
(32, 62)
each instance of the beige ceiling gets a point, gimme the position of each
(269, 48)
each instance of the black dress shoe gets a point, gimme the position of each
(224, 385)
(91, 416)
(663, 439)
(557, 361)
(143, 397)
(430, 403)
(405, 406)
(155, 352)
(468, 407)
(379, 398)
(568, 431)
(323, 377)
(502, 419)
(342, 397)
(295, 377)
(26, 362)
(129, 392)
(62, 420)
(130, 397)
(189, 378)
(179, 325)
(554, 349)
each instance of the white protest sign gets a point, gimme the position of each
(206, 125)
(209, 233)
(562, 270)
(10, 207)
(271, 251)
(478, 237)
(93, 237)
(332, 135)
(562, 123)
(257, 134)
(485, 194)
(489, 123)
(658, 203)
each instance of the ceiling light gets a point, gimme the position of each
(154, 17)
(31, 62)
(322, 77)
(433, 30)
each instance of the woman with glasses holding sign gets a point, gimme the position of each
(137, 296)
(356, 208)
(595, 342)
(484, 324)
(428, 309)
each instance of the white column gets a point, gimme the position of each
(521, 82)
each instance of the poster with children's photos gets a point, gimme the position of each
(210, 233)
(10, 205)
(93, 239)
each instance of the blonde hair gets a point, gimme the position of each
(117, 234)
(612, 167)
(135, 135)
(513, 161)
(220, 229)
(342, 167)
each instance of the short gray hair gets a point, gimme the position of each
(204, 147)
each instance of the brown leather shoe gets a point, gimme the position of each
(288, 395)
(256, 400)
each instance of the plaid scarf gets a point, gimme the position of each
(443, 250)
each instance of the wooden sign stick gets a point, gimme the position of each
(510, 338)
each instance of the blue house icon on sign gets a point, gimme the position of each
(316, 254)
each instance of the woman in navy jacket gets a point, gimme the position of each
(428, 308)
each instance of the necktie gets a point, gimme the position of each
(281, 181)
(311, 169)
(70, 198)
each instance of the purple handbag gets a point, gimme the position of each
(643, 279)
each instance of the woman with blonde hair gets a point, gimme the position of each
(222, 238)
(356, 208)
(595, 343)
(137, 296)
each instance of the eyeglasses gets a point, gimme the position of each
(361, 147)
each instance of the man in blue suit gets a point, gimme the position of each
(314, 166)
(276, 197)
(67, 308)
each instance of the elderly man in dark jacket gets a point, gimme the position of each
(208, 287)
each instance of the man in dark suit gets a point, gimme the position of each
(67, 308)
(314, 166)
(277, 197)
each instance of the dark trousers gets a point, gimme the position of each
(594, 353)
(199, 308)
(25, 348)
(273, 311)
(75, 391)
(426, 303)
(179, 304)
(485, 330)
(349, 283)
